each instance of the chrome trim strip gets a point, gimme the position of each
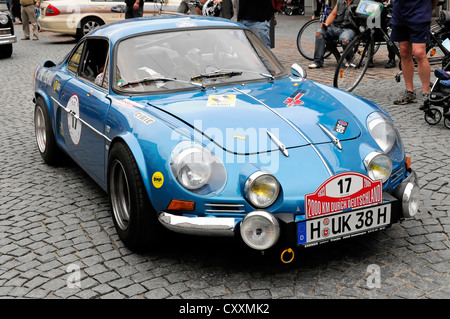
(204, 226)
(333, 138)
(292, 125)
(81, 120)
(278, 143)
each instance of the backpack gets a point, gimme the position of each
(277, 4)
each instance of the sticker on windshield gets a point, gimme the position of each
(221, 100)
(73, 122)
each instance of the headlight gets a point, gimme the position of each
(260, 230)
(3, 19)
(261, 189)
(378, 166)
(195, 168)
(382, 130)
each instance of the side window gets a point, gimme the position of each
(74, 61)
(94, 60)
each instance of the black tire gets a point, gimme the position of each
(6, 50)
(433, 116)
(87, 25)
(447, 122)
(306, 39)
(45, 137)
(353, 63)
(134, 218)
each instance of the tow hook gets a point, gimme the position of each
(287, 256)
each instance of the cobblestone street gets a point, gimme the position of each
(55, 223)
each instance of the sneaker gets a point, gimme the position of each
(25, 38)
(426, 101)
(406, 97)
(314, 66)
(35, 38)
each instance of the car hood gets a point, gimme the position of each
(296, 112)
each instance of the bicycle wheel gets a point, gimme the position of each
(353, 63)
(306, 38)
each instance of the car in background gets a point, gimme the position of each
(192, 124)
(79, 17)
(7, 37)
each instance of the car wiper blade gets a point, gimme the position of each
(147, 80)
(216, 74)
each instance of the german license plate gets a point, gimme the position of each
(342, 225)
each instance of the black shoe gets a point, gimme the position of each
(371, 65)
(391, 64)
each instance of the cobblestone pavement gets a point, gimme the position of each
(55, 222)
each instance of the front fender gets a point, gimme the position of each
(133, 144)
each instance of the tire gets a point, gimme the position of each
(447, 122)
(134, 218)
(306, 38)
(353, 63)
(87, 25)
(6, 50)
(45, 137)
(433, 116)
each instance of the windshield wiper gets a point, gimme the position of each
(148, 80)
(216, 74)
(228, 73)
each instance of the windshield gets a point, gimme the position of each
(182, 59)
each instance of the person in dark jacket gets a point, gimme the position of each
(256, 15)
(134, 9)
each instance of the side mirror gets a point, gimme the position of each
(118, 9)
(298, 71)
(49, 64)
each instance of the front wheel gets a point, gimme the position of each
(433, 116)
(353, 63)
(134, 218)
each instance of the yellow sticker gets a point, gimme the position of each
(221, 100)
(158, 179)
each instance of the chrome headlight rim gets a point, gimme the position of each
(410, 200)
(374, 121)
(267, 228)
(214, 176)
(376, 158)
(248, 186)
(3, 19)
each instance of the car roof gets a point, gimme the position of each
(118, 30)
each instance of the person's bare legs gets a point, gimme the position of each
(423, 65)
(406, 51)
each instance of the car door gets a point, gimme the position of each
(85, 99)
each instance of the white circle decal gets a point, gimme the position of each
(73, 123)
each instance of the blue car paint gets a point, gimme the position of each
(174, 117)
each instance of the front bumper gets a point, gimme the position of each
(6, 39)
(226, 226)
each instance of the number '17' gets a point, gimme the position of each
(344, 183)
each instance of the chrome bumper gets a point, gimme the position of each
(203, 226)
(8, 39)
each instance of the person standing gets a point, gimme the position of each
(411, 20)
(28, 15)
(317, 8)
(256, 15)
(134, 9)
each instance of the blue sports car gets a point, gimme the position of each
(192, 124)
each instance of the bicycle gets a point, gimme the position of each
(354, 61)
(307, 33)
